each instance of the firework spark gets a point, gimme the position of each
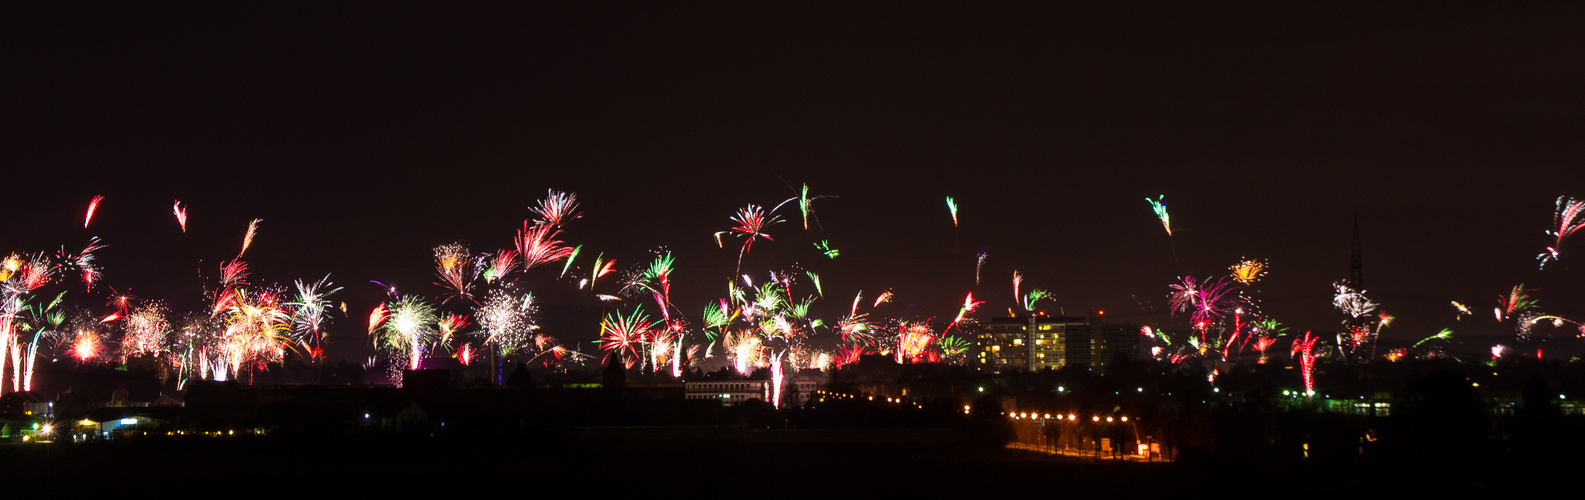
(1569, 217)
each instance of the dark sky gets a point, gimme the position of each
(366, 133)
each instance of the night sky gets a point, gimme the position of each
(364, 134)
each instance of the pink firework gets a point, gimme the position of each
(1208, 301)
(181, 214)
(1569, 217)
(557, 208)
(93, 206)
(538, 245)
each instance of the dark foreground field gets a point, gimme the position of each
(382, 466)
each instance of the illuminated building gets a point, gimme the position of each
(1037, 342)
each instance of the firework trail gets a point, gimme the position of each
(1442, 335)
(570, 257)
(1159, 205)
(825, 248)
(1304, 349)
(93, 205)
(538, 246)
(253, 228)
(1462, 311)
(378, 316)
(979, 263)
(751, 223)
(885, 297)
(952, 206)
(815, 278)
(1516, 301)
(1569, 217)
(805, 205)
(181, 214)
(1018, 281)
(557, 208)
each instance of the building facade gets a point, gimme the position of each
(1038, 342)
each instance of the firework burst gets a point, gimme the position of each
(557, 208)
(751, 223)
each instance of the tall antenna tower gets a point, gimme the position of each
(1356, 277)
